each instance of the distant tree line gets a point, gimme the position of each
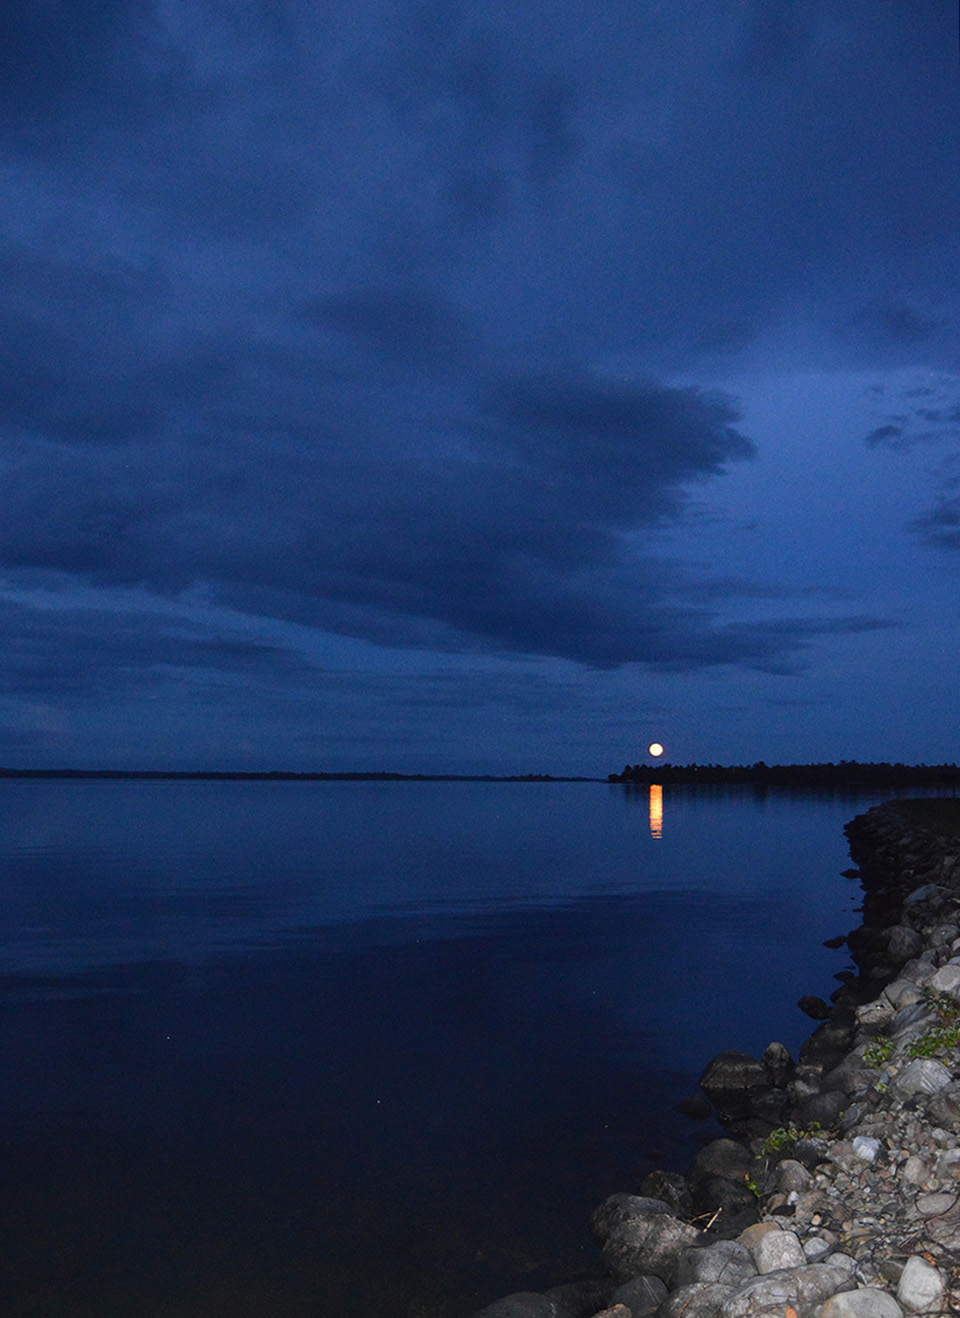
(847, 773)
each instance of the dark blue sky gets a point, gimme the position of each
(479, 386)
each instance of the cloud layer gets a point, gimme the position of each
(411, 322)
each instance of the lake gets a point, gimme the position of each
(287, 1049)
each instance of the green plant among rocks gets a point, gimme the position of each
(878, 1053)
(785, 1136)
(945, 1035)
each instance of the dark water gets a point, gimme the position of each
(313, 1048)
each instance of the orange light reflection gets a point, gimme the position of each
(656, 810)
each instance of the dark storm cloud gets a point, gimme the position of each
(509, 538)
(405, 323)
(490, 112)
(306, 305)
(83, 653)
(56, 54)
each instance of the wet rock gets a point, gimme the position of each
(642, 1295)
(724, 1158)
(617, 1208)
(645, 1245)
(733, 1201)
(582, 1299)
(779, 1063)
(731, 1079)
(814, 1007)
(921, 1287)
(672, 1189)
(830, 1042)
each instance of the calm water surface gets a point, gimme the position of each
(310, 1048)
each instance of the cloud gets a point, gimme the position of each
(507, 534)
(405, 323)
(940, 526)
(314, 307)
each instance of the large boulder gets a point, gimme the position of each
(642, 1295)
(725, 1261)
(700, 1299)
(644, 1245)
(718, 1181)
(671, 1188)
(582, 1299)
(732, 1080)
(622, 1207)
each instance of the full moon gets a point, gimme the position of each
(656, 749)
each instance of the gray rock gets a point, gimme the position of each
(865, 1148)
(731, 1079)
(524, 1304)
(792, 1175)
(642, 1296)
(919, 971)
(924, 894)
(774, 1291)
(823, 1108)
(815, 1249)
(944, 1107)
(904, 943)
(621, 1207)
(817, 1282)
(811, 1150)
(914, 1017)
(779, 1062)
(866, 1302)
(923, 1075)
(698, 1300)
(915, 1170)
(778, 1250)
(852, 1074)
(921, 1286)
(648, 1245)
(727, 1262)
(581, 1299)
(902, 993)
(947, 980)
(671, 1188)
(933, 1205)
(724, 1158)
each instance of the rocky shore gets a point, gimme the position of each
(837, 1191)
